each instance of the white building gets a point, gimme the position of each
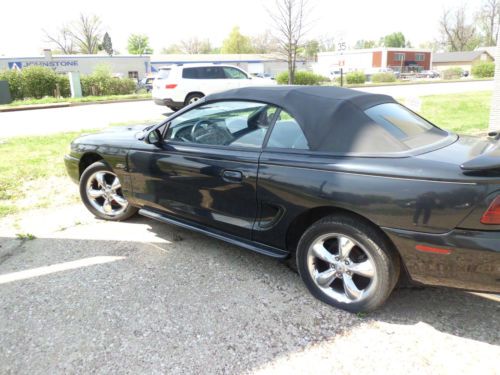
(131, 66)
(400, 59)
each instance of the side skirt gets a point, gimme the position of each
(247, 244)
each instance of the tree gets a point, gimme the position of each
(195, 46)
(86, 33)
(457, 33)
(63, 40)
(83, 35)
(311, 49)
(289, 18)
(264, 43)
(394, 40)
(488, 19)
(237, 42)
(361, 44)
(138, 44)
(107, 45)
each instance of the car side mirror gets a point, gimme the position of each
(153, 137)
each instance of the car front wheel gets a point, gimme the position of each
(101, 192)
(347, 263)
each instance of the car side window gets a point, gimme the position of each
(287, 133)
(224, 123)
(211, 72)
(233, 73)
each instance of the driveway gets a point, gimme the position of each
(97, 116)
(88, 296)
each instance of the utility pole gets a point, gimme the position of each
(495, 102)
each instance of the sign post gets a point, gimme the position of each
(75, 84)
(342, 48)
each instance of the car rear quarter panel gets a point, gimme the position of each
(289, 184)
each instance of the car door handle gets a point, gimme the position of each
(232, 176)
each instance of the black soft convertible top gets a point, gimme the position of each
(332, 118)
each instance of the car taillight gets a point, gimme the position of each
(170, 86)
(492, 214)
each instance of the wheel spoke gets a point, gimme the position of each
(107, 206)
(94, 193)
(120, 200)
(116, 184)
(363, 269)
(322, 253)
(351, 290)
(345, 247)
(325, 278)
(99, 176)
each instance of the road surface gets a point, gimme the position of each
(97, 116)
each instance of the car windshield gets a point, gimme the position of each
(405, 126)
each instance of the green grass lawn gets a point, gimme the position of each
(27, 159)
(466, 113)
(85, 99)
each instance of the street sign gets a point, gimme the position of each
(341, 62)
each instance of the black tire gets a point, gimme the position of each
(89, 172)
(193, 97)
(369, 243)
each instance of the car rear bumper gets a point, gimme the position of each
(461, 259)
(168, 102)
(72, 167)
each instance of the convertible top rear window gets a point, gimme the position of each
(404, 126)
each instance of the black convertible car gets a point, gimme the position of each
(352, 189)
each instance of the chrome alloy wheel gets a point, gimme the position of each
(341, 268)
(104, 193)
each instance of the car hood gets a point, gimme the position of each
(117, 136)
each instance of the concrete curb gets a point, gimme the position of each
(67, 104)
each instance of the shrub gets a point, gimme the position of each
(302, 77)
(355, 78)
(383, 77)
(101, 82)
(452, 73)
(483, 69)
(38, 81)
(63, 83)
(15, 80)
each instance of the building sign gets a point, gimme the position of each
(15, 65)
(57, 65)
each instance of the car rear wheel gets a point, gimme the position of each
(101, 192)
(347, 263)
(191, 98)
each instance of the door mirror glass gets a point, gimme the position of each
(153, 137)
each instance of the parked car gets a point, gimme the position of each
(179, 85)
(146, 84)
(428, 74)
(351, 188)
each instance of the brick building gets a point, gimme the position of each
(399, 59)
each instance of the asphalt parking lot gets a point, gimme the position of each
(88, 296)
